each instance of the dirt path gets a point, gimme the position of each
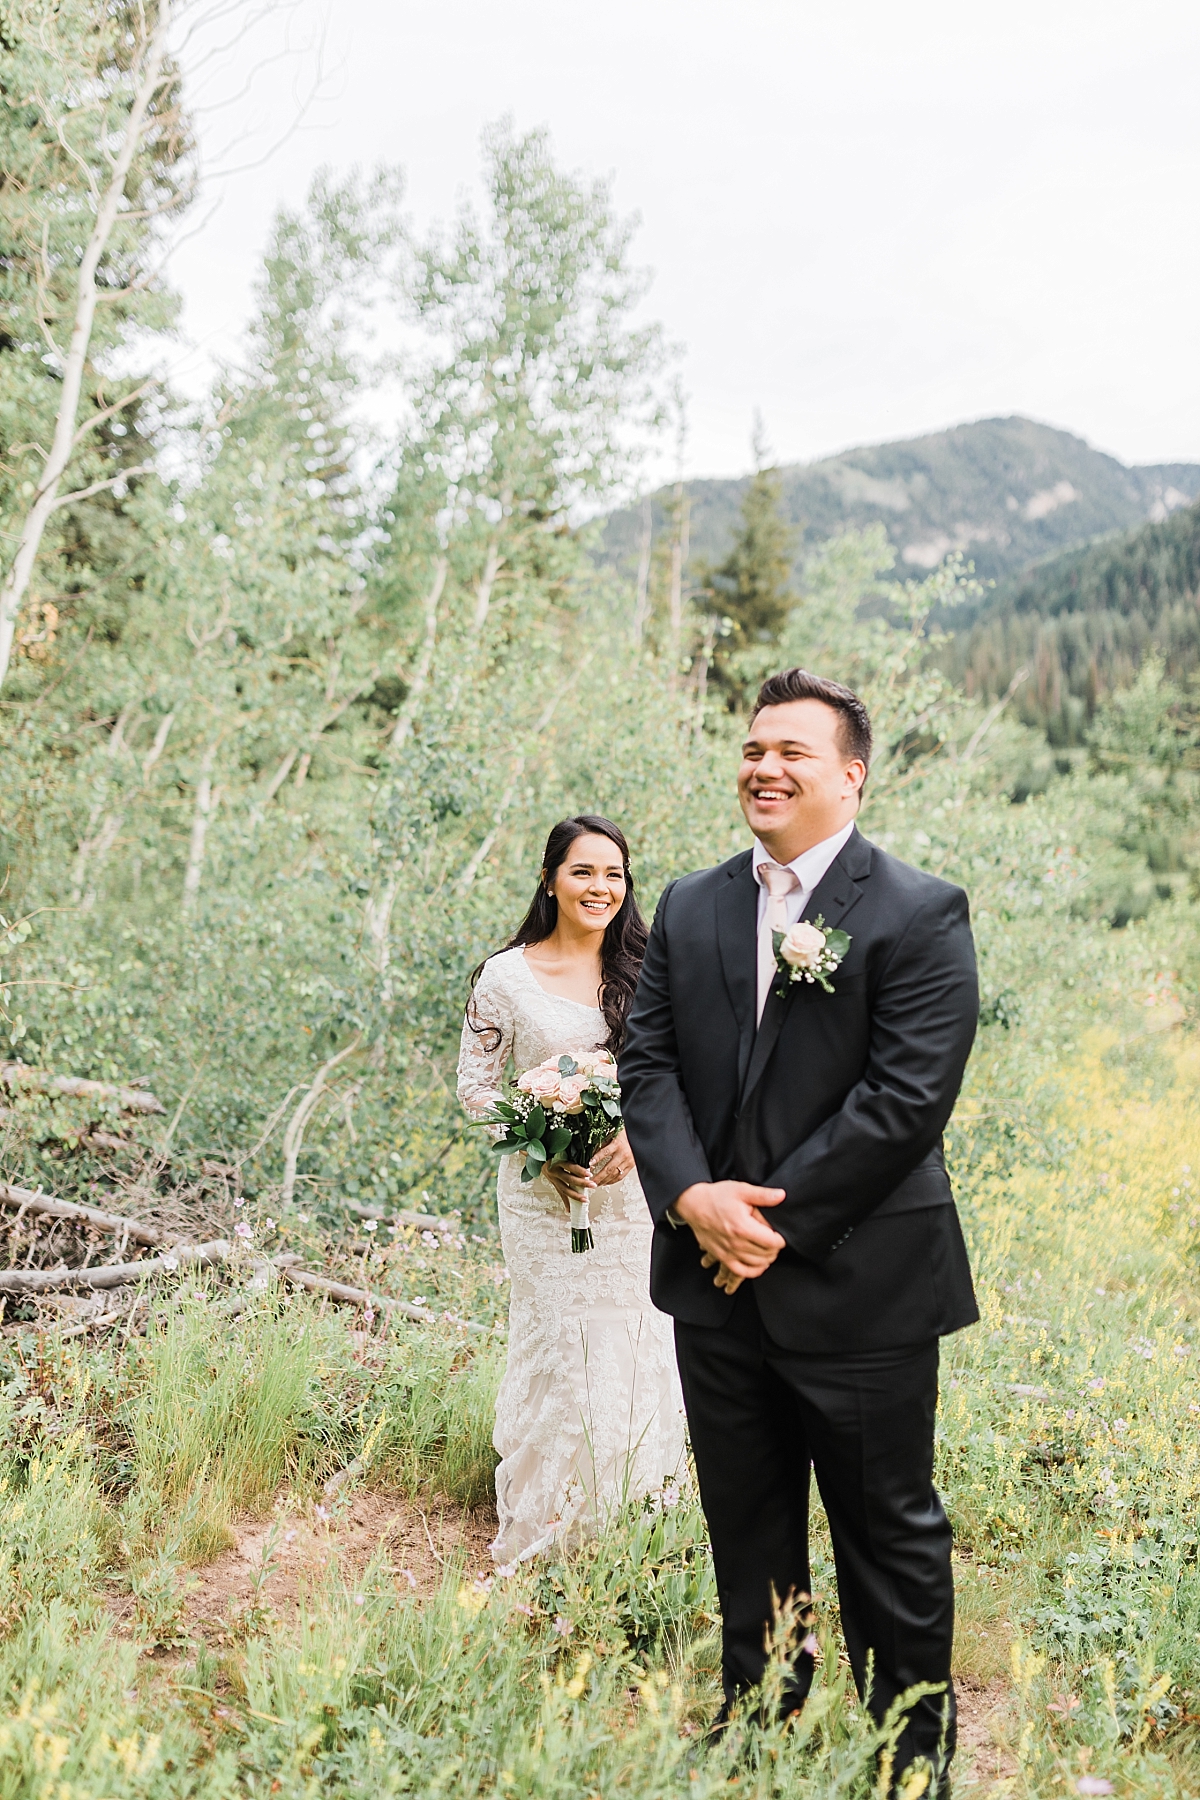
(274, 1562)
(984, 1760)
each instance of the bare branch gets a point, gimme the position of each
(201, 640)
(116, 407)
(993, 713)
(98, 487)
(293, 1137)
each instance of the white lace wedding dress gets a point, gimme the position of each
(589, 1413)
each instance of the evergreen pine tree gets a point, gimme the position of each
(752, 588)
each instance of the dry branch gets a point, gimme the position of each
(83, 1215)
(352, 1296)
(16, 1075)
(426, 1221)
(293, 1137)
(43, 1281)
(110, 1275)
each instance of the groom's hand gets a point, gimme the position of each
(729, 1228)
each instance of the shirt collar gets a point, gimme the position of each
(812, 863)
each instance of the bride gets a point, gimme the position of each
(589, 1413)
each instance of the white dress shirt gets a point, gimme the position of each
(809, 868)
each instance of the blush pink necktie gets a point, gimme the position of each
(779, 883)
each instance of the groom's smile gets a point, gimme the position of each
(798, 783)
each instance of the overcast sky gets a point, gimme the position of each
(866, 219)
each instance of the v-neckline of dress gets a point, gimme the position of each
(565, 998)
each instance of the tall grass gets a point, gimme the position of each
(1069, 1456)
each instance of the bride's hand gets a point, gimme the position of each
(569, 1180)
(613, 1161)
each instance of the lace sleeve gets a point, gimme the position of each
(487, 1036)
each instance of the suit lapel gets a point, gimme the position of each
(737, 941)
(832, 898)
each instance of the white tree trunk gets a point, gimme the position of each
(99, 838)
(159, 745)
(641, 610)
(46, 497)
(280, 776)
(506, 799)
(206, 804)
(377, 917)
(487, 581)
(420, 678)
(679, 556)
(97, 848)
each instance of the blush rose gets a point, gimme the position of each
(802, 946)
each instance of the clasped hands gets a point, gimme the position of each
(724, 1216)
(727, 1223)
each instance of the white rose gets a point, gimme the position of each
(803, 946)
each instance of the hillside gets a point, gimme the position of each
(1083, 621)
(1006, 492)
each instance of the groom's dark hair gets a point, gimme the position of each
(854, 732)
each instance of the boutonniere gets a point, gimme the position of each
(809, 952)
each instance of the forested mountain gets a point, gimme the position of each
(1005, 492)
(1083, 622)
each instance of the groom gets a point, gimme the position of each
(790, 1140)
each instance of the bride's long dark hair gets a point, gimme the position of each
(624, 943)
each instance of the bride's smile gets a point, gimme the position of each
(590, 889)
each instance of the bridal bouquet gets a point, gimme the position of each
(562, 1112)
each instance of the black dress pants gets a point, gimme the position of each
(759, 1417)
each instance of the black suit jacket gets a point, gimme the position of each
(839, 1098)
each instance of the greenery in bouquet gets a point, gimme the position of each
(562, 1111)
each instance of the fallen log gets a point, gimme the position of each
(352, 1296)
(404, 1216)
(85, 1325)
(53, 1208)
(110, 1275)
(17, 1075)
